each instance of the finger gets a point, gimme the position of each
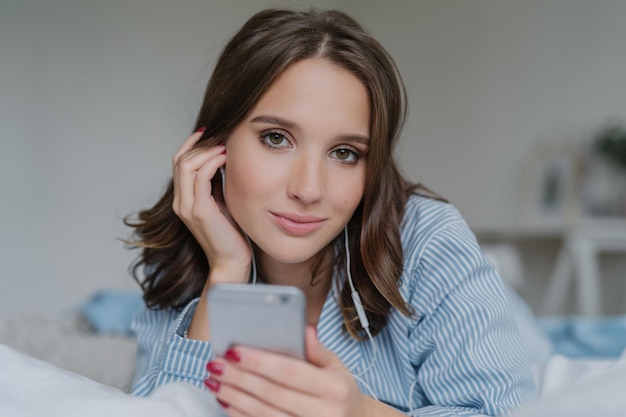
(185, 179)
(187, 145)
(253, 395)
(176, 160)
(246, 406)
(284, 370)
(202, 186)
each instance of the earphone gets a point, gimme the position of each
(358, 305)
(223, 175)
(356, 299)
(360, 311)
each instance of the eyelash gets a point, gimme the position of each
(265, 140)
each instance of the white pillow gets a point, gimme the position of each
(33, 388)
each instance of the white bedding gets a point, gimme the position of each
(30, 387)
(33, 388)
(580, 388)
(69, 343)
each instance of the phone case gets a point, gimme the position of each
(270, 317)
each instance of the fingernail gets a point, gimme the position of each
(201, 129)
(212, 385)
(215, 368)
(222, 403)
(232, 355)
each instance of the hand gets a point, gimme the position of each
(252, 382)
(204, 211)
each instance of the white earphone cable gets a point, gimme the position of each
(358, 305)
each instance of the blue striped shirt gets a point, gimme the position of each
(460, 355)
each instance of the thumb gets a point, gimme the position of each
(316, 353)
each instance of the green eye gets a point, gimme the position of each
(276, 138)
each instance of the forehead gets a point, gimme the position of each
(317, 92)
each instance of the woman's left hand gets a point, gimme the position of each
(256, 383)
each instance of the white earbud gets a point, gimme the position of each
(223, 175)
(356, 299)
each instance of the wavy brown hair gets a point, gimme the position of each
(174, 266)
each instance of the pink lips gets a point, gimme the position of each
(296, 224)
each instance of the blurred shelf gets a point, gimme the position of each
(577, 264)
(612, 226)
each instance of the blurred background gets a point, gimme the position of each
(516, 116)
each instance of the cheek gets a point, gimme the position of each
(250, 176)
(348, 194)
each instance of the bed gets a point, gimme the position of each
(83, 365)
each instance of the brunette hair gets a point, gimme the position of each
(176, 268)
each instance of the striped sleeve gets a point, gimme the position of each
(470, 355)
(164, 354)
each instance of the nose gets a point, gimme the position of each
(306, 180)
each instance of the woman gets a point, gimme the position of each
(299, 121)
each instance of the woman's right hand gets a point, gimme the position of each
(204, 211)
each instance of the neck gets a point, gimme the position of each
(300, 275)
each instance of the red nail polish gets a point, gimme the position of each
(215, 368)
(212, 385)
(232, 355)
(222, 403)
(201, 129)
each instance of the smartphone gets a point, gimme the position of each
(270, 317)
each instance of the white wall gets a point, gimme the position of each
(96, 96)
(489, 78)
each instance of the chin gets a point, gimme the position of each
(291, 258)
(291, 253)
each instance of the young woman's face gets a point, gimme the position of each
(295, 167)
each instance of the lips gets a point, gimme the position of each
(296, 224)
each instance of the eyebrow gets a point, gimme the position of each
(274, 121)
(290, 126)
